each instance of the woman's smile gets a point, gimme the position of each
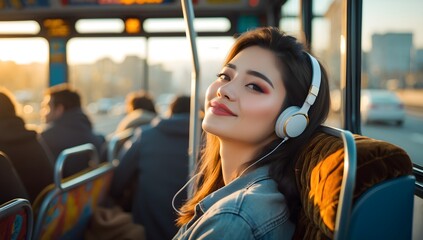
(220, 109)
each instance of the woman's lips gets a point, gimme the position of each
(220, 109)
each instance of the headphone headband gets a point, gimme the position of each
(315, 85)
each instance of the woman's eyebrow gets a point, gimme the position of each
(260, 75)
(230, 65)
(254, 73)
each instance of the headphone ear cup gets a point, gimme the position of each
(291, 123)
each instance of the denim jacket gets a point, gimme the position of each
(250, 207)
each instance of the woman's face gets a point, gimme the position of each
(245, 100)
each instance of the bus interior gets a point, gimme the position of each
(106, 49)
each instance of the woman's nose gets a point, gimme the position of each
(227, 91)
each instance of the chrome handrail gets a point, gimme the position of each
(194, 136)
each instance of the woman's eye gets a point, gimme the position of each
(223, 76)
(255, 87)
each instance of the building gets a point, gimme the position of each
(390, 59)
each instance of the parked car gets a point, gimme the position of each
(380, 105)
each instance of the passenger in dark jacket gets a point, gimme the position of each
(158, 160)
(11, 186)
(67, 126)
(26, 154)
(140, 110)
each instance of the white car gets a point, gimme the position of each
(380, 105)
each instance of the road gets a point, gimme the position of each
(409, 136)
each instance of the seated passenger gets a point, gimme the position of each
(268, 99)
(11, 186)
(140, 110)
(67, 126)
(26, 154)
(158, 160)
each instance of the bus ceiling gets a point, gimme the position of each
(85, 9)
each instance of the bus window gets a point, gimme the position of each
(24, 71)
(104, 70)
(326, 38)
(325, 43)
(290, 22)
(392, 74)
(174, 55)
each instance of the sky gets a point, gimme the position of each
(379, 16)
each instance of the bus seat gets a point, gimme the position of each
(390, 200)
(117, 143)
(345, 202)
(11, 186)
(16, 219)
(63, 209)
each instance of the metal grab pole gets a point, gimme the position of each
(194, 136)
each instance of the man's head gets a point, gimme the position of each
(57, 100)
(7, 103)
(180, 104)
(140, 100)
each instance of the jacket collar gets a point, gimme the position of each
(242, 182)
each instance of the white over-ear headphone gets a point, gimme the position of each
(294, 120)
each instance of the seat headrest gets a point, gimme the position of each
(319, 171)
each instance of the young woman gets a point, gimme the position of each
(268, 99)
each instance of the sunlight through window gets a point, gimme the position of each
(19, 27)
(100, 26)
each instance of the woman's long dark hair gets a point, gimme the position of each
(296, 71)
